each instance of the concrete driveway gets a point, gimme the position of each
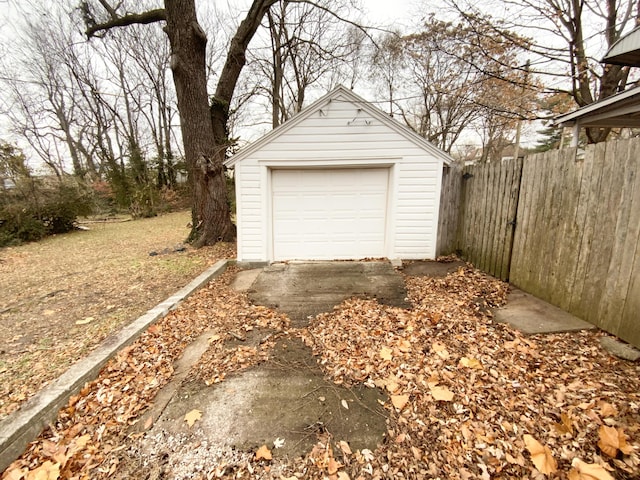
(305, 289)
(286, 397)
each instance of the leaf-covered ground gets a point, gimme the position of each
(60, 297)
(468, 398)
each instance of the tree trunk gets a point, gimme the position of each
(210, 213)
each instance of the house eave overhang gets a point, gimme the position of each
(620, 110)
(626, 51)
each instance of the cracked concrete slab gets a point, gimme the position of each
(304, 289)
(245, 279)
(286, 398)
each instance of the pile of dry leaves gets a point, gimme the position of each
(468, 398)
(474, 399)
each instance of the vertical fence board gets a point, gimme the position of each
(450, 210)
(566, 247)
(498, 236)
(517, 273)
(625, 239)
(583, 273)
(481, 219)
(512, 190)
(629, 328)
(598, 263)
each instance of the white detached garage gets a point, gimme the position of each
(340, 180)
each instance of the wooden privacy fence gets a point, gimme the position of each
(563, 228)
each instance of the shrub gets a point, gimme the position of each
(40, 207)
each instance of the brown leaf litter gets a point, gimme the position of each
(469, 398)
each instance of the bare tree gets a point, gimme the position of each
(204, 126)
(388, 61)
(446, 79)
(562, 41)
(308, 45)
(44, 111)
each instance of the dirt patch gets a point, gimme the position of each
(64, 295)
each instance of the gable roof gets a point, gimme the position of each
(619, 110)
(370, 109)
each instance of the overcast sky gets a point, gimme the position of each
(391, 11)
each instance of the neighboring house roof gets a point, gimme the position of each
(370, 109)
(620, 110)
(626, 51)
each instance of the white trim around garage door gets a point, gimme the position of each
(386, 163)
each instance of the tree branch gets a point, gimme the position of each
(151, 16)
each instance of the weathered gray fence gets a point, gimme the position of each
(576, 241)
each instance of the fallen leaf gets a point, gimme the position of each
(540, 455)
(399, 401)
(612, 440)
(441, 350)
(47, 471)
(263, 453)
(386, 353)
(16, 474)
(471, 363)
(367, 454)
(417, 453)
(148, 423)
(344, 404)
(343, 476)
(587, 471)
(565, 426)
(607, 409)
(82, 441)
(344, 446)
(441, 393)
(404, 346)
(390, 383)
(85, 321)
(333, 466)
(192, 417)
(153, 329)
(278, 443)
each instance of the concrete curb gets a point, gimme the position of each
(24, 425)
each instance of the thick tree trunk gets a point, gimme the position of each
(211, 216)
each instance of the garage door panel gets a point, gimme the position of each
(329, 214)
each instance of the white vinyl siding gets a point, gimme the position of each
(335, 134)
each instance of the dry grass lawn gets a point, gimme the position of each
(62, 296)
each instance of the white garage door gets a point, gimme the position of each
(329, 214)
